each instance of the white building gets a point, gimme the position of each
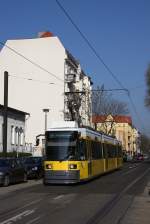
(43, 74)
(15, 130)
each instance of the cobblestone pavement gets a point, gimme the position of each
(139, 211)
(11, 188)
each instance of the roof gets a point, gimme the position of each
(14, 110)
(116, 118)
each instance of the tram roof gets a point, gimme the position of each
(88, 132)
(85, 131)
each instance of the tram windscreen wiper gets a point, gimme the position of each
(65, 158)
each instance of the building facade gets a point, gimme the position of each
(15, 130)
(77, 101)
(121, 127)
(43, 74)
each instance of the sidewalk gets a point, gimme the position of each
(139, 211)
(20, 186)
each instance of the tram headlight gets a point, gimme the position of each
(72, 166)
(49, 166)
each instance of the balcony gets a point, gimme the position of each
(70, 78)
(129, 133)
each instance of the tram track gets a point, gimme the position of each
(57, 199)
(98, 217)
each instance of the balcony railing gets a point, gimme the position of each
(70, 78)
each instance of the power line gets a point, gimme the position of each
(97, 55)
(110, 90)
(51, 83)
(135, 110)
(32, 62)
(137, 87)
(89, 44)
(34, 80)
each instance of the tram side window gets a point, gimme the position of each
(119, 151)
(111, 151)
(100, 148)
(96, 150)
(82, 149)
(105, 150)
(115, 151)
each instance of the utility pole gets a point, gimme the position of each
(46, 111)
(5, 113)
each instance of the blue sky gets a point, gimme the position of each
(118, 30)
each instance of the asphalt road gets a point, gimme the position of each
(102, 200)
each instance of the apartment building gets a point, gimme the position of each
(44, 75)
(122, 128)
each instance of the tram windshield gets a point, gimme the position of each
(61, 145)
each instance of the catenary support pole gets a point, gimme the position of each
(5, 113)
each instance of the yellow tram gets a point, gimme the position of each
(75, 154)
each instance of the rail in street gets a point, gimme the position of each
(106, 199)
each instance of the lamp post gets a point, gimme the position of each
(46, 110)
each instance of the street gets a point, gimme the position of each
(106, 199)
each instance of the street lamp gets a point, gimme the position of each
(46, 110)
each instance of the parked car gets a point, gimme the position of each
(33, 166)
(129, 158)
(11, 171)
(145, 156)
(140, 157)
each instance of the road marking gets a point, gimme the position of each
(34, 220)
(130, 171)
(18, 217)
(31, 203)
(23, 207)
(59, 197)
(63, 199)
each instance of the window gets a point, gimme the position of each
(1, 133)
(119, 151)
(16, 135)
(105, 150)
(61, 145)
(21, 136)
(12, 135)
(82, 149)
(112, 150)
(96, 150)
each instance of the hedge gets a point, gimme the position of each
(16, 154)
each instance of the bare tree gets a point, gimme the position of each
(145, 144)
(104, 104)
(147, 98)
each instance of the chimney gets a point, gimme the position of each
(45, 34)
